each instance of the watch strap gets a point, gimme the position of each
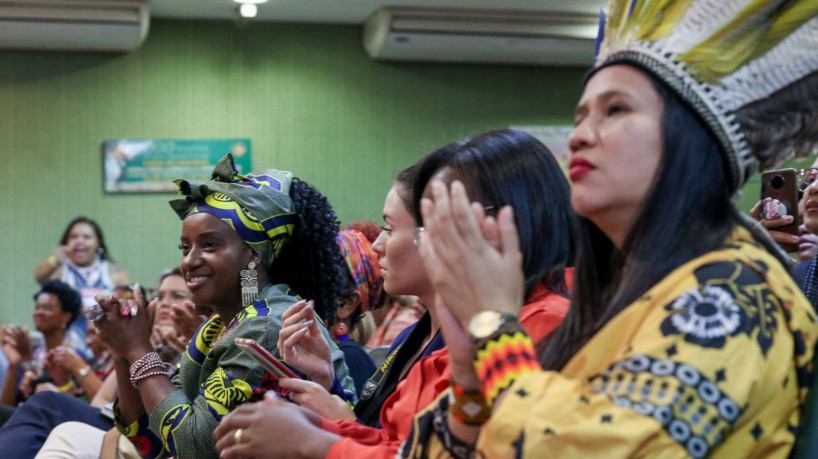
(469, 406)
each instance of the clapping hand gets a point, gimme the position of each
(126, 333)
(16, 344)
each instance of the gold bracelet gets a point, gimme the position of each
(52, 260)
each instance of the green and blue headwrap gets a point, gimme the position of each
(256, 205)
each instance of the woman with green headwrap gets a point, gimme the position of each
(251, 245)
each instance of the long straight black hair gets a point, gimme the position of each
(687, 213)
(509, 167)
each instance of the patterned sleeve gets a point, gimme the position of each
(707, 365)
(147, 444)
(185, 425)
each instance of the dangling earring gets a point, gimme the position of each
(249, 284)
(340, 330)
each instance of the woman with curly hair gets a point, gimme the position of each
(251, 245)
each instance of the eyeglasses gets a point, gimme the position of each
(420, 230)
(416, 236)
(806, 177)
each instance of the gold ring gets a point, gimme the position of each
(237, 436)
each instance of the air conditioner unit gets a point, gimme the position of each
(75, 25)
(481, 36)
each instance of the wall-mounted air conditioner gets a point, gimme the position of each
(482, 36)
(76, 25)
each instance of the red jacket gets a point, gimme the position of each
(426, 380)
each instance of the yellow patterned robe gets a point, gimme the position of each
(712, 361)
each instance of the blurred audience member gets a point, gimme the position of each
(366, 294)
(398, 313)
(805, 273)
(68, 364)
(83, 262)
(175, 318)
(56, 306)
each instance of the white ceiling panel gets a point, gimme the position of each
(351, 11)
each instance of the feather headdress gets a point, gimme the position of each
(749, 68)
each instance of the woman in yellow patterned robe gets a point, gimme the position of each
(686, 336)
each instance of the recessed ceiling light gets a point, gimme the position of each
(248, 10)
(257, 2)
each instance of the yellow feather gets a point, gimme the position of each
(617, 20)
(651, 14)
(788, 22)
(758, 28)
(670, 17)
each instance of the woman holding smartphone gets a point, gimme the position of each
(250, 244)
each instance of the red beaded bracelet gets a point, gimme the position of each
(503, 358)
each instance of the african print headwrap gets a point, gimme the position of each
(256, 205)
(362, 263)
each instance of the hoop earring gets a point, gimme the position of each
(340, 329)
(249, 284)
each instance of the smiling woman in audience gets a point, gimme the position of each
(250, 244)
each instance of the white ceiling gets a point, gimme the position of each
(351, 11)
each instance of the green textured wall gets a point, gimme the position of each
(307, 96)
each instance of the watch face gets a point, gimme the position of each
(484, 324)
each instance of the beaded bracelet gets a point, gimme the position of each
(468, 406)
(167, 371)
(150, 365)
(145, 360)
(503, 357)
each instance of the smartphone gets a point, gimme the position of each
(782, 186)
(274, 366)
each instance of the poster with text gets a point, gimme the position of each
(151, 165)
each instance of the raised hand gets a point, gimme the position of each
(302, 345)
(186, 319)
(127, 335)
(61, 253)
(473, 261)
(16, 344)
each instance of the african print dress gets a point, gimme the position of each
(715, 360)
(214, 378)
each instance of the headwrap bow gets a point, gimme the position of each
(256, 205)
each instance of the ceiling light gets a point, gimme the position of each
(248, 10)
(257, 2)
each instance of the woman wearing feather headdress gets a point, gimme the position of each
(686, 335)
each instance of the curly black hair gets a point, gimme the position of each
(70, 300)
(311, 263)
